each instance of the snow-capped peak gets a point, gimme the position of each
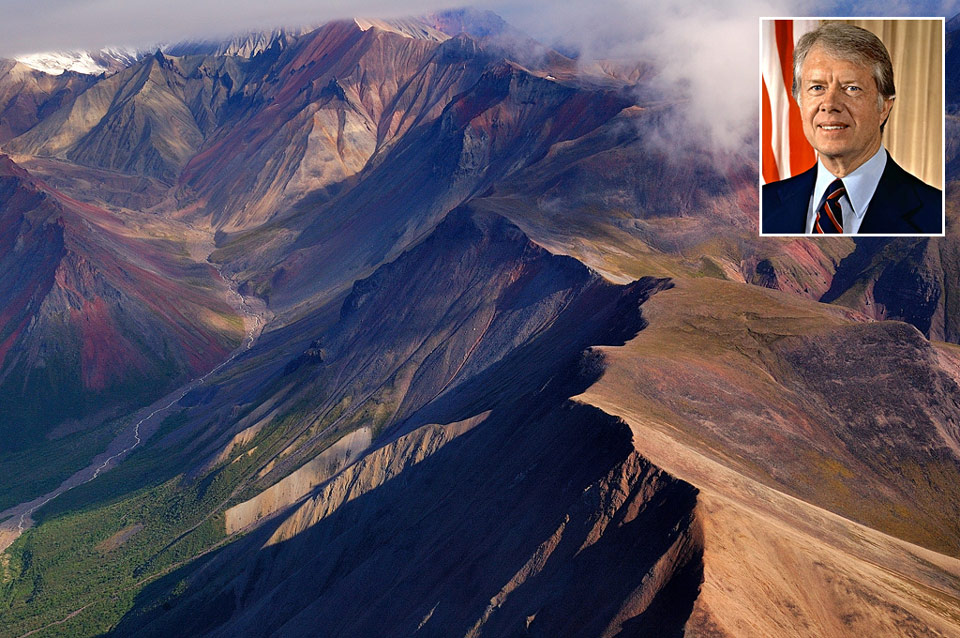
(89, 62)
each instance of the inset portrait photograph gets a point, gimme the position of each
(851, 131)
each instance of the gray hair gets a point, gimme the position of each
(851, 43)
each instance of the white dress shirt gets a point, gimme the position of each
(859, 185)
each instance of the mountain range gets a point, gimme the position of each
(417, 327)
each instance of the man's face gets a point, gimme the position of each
(840, 110)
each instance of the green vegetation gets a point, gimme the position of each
(61, 459)
(65, 564)
(57, 569)
(47, 396)
(710, 268)
(96, 547)
(266, 444)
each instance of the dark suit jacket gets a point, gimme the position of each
(902, 204)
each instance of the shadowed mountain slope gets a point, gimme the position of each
(440, 318)
(490, 524)
(335, 97)
(479, 552)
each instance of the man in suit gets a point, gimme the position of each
(843, 83)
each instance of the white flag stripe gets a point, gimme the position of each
(779, 112)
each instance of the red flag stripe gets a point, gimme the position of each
(770, 171)
(785, 150)
(801, 153)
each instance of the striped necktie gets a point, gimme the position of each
(829, 215)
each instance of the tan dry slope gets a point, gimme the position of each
(776, 565)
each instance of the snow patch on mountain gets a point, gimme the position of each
(88, 62)
(247, 44)
(408, 27)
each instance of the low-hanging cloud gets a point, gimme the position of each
(706, 60)
(706, 56)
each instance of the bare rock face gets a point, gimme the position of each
(444, 152)
(148, 119)
(136, 121)
(244, 45)
(334, 95)
(912, 280)
(150, 132)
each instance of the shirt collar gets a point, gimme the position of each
(860, 184)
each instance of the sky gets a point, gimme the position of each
(710, 51)
(31, 26)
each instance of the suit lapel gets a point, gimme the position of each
(795, 200)
(893, 203)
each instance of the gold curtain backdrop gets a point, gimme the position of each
(914, 132)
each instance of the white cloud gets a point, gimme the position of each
(706, 54)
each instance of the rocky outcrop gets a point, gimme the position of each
(912, 280)
(311, 138)
(301, 482)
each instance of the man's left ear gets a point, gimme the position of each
(885, 112)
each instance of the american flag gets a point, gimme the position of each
(784, 149)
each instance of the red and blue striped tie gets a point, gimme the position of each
(829, 215)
